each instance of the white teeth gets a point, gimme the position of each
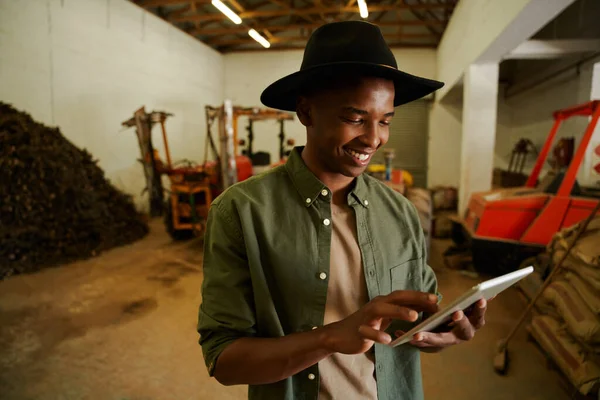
(361, 157)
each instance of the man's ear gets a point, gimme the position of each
(303, 111)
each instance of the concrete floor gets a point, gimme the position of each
(122, 326)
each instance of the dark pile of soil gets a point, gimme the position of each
(56, 206)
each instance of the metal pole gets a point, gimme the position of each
(228, 165)
(569, 179)
(250, 138)
(281, 140)
(532, 181)
(164, 134)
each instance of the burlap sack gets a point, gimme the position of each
(580, 320)
(587, 248)
(545, 305)
(421, 198)
(583, 373)
(589, 294)
(589, 275)
(531, 285)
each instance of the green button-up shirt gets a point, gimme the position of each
(266, 269)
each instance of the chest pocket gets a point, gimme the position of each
(407, 276)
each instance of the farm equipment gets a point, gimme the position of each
(514, 177)
(262, 160)
(502, 228)
(247, 161)
(193, 186)
(189, 192)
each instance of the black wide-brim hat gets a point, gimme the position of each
(356, 46)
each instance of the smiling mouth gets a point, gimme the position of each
(362, 158)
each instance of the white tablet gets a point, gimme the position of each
(487, 290)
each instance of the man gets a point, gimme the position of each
(312, 267)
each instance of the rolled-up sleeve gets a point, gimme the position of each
(227, 310)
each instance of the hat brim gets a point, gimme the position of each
(283, 93)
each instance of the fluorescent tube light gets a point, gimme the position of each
(256, 36)
(227, 11)
(362, 8)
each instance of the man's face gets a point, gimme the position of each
(346, 126)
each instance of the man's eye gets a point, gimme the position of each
(353, 121)
(386, 123)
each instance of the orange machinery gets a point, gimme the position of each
(504, 227)
(193, 186)
(229, 166)
(190, 192)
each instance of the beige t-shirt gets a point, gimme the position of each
(344, 376)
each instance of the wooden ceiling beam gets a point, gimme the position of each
(280, 3)
(160, 3)
(382, 13)
(422, 18)
(290, 39)
(194, 9)
(318, 4)
(181, 11)
(306, 11)
(400, 45)
(237, 6)
(279, 28)
(287, 7)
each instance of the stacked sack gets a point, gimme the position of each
(568, 323)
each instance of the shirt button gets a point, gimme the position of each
(323, 276)
(324, 192)
(311, 377)
(308, 200)
(366, 202)
(326, 222)
(371, 272)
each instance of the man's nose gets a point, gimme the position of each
(371, 137)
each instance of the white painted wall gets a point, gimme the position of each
(87, 65)
(480, 31)
(503, 148)
(248, 74)
(486, 30)
(474, 26)
(445, 133)
(530, 116)
(478, 131)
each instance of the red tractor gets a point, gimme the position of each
(504, 227)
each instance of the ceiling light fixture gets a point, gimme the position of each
(256, 36)
(227, 11)
(362, 8)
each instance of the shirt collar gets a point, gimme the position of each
(360, 191)
(309, 187)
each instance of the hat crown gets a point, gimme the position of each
(348, 41)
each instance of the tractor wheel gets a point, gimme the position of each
(176, 234)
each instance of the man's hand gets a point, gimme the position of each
(463, 329)
(281, 357)
(357, 333)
